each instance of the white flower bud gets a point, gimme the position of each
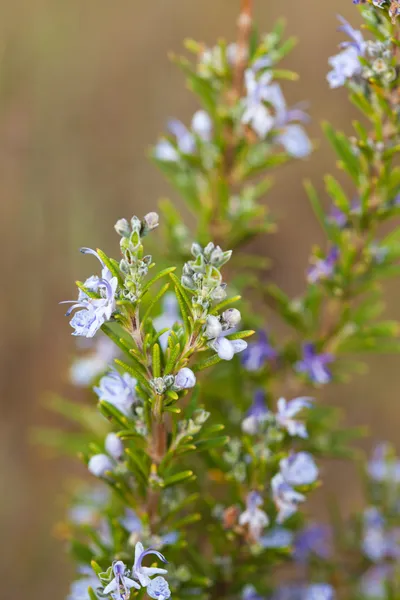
(151, 221)
(202, 125)
(213, 327)
(231, 317)
(99, 464)
(122, 228)
(185, 379)
(114, 446)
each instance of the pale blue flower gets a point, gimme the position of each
(313, 540)
(288, 410)
(100, 464)
(79, 588)
(249, 592)
(285, 497)
(142, 573)
(278, 537)
(346, 64)
(158, 589)
(118, 390)
(169, 316)
(256, 415)
(374, 543)
(202, 125)
(256, 114)
(323, 268)
(165, 151)
(226, 349)
(258, 353)
(299, 469)
(255, 518)
(120, 585)
(185, 379)
(86, 368)
(373, 584)
(131, 522)
(95, 311)
(314, 365)
(384, 468)
(319, 591)
(114, 446)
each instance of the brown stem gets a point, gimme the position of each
(245, 22)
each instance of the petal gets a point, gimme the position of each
(238, 345)
(224, 348)
(130, 583)
(110, 587)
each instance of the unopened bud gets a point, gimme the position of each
(122, 228)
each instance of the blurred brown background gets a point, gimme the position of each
(85, 88)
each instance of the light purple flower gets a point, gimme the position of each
(378, 542)
(346, 64)
(258, 353)
(185, 379)
(255, 518)
(384, 468)
(288, 410)
(114, 446)
(118, 390)
(338, 217)
(184, 138)
(285, 497)
(256, 415)
(119, 587)
(299, 469)
(313, 540)
(314, 365)
(374, 542)
(158, 589)
(323, 268)
(142, 573)
(168, 317)
(100, 464)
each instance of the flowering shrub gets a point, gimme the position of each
(215, 471)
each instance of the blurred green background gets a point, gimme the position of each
(85, 88)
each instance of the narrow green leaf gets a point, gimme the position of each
(159, 275)
(108, 330)
(182, 292)
(172, 359)
(134, 372)
(316, 205)
(156, 361)
(178, 478)
(213, 360)
(240, 335)
(212, 443)
(218, 307)
(153, 302)
(110, 264)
